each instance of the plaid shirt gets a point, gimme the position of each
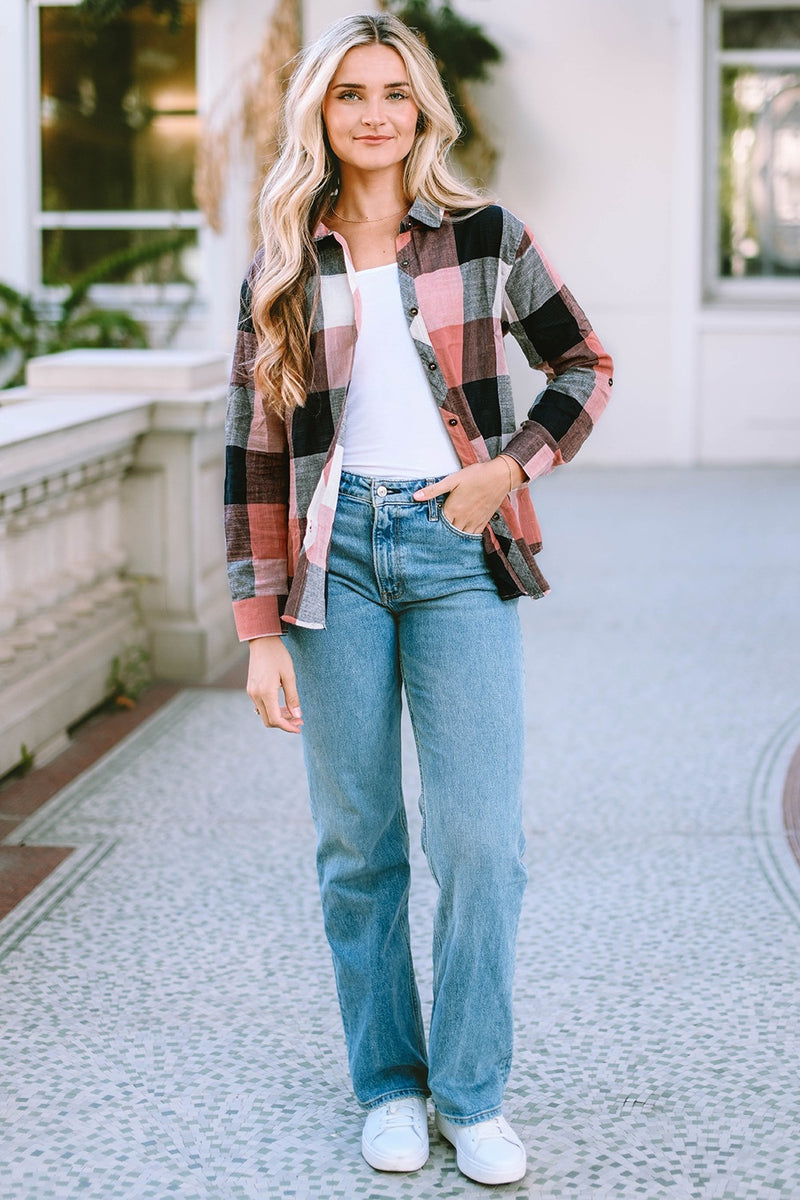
(464, 282)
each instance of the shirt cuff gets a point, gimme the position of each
(258, 616)
(532, 448)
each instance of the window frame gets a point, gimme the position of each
(146, 294)
(769, 291)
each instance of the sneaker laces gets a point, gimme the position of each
(398, 1115)
(489, 1130)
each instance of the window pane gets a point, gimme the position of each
(67, 253)
(118, 112)
(760, 173)
(761, 29)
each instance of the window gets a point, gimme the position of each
(117, 109)
(754, 159)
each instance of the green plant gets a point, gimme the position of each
(103, 11)
(30, 326)
(129, 676)
(26, 760)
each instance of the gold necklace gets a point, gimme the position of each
(368, 220)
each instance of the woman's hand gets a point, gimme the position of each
(272, 669)
(476, 491)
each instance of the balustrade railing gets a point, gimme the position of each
(92, 562)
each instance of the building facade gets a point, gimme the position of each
(653, 147)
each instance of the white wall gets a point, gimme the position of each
(582, 111)
(749, 378)
(229, 34)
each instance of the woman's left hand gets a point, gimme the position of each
(476, 492)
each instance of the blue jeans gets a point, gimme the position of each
(411, 605)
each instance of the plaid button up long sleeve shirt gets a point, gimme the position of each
(465, 282)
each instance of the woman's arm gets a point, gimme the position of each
(256, 495)
(557, 338)
(256, 518)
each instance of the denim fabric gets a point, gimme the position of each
(411, 604)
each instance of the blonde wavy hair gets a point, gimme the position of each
(304, 181)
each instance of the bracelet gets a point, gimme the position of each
(510, 475)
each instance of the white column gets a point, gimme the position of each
(15, 137)
(686, 230)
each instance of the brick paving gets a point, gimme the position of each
(169, 1023)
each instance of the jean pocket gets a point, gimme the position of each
(462, 533)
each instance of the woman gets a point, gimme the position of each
(377, 517)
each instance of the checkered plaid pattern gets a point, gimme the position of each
(465, 282)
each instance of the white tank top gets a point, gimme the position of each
(393, 427)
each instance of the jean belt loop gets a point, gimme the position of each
(433, 506)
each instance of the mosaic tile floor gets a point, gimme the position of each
(168, 1024)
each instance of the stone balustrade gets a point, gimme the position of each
(111, 468)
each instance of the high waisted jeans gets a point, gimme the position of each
(412, 605)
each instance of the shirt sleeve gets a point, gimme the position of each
(556, 337)
(256, 493)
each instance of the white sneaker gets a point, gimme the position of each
(489, 1152)
(395, 1136)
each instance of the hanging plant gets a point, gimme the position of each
(103, 11)
(464, 54)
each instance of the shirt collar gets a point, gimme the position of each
(431, 215)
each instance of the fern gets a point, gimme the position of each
(122, 264)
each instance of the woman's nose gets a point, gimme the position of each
(373, 113)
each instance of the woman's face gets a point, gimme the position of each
(368, 110)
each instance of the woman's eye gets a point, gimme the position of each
(398, 95)
(348, 95)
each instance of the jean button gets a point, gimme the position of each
(381, 491)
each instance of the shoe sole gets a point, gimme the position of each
(392, 1164)
(477, 1172)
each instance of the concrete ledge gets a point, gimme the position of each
(42, 437)
(161, 372)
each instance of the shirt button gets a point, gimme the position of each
(453, 421)
(412, 312)
(431, 366)
(381, 491)
(404, 263)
